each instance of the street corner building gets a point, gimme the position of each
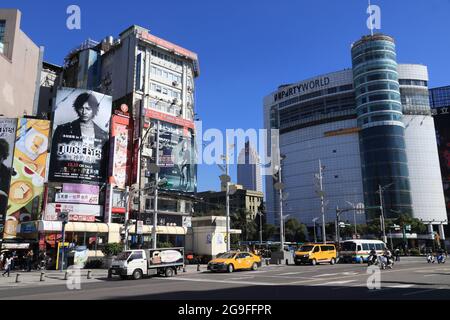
(370, 126)
(118, 107)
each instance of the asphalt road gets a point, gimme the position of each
(412, 278)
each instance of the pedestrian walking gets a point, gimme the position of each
(8, 263)
(2, 258)
(29, 260)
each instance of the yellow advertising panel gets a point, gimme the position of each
(28, 176)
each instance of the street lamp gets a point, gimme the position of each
(380, 191)
(260, 214)
(226, 179)
(284, 226)
(321, 194)
(314, 220)
(280, 186)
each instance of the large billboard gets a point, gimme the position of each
(80, 138)
(7, 142)
(177, 156)
(29, 171)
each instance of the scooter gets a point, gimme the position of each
(430, 258)
(383, 261)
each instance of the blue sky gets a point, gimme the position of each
(249, 47)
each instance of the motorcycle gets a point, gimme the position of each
(441, 258)
(430, 258)
(372, 260)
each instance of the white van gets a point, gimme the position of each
(358, 250)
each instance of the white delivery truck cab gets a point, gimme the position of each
(145, 262)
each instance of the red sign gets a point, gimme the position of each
(81, 218)
(168, 45)
(168, 118)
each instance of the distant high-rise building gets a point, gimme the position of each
(249, 169)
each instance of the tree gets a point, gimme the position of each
(295, 231)
(269, 230)
(240, 220)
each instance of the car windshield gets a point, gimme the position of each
(226, 255)
(123, 255)
(306, 248)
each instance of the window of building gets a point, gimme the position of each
(2, 36)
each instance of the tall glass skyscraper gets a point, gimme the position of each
(382, 136)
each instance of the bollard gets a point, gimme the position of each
(17, 277)
(198, 267)
(267, 262)
(66, 275)
(278, 262)
(89, 274)
(42, 276)
(287, 262)
(184, 269)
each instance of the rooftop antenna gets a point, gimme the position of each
(370, 18)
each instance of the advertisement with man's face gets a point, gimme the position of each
(7, 141)
(177, 157)
(80, 136)
(28, 175)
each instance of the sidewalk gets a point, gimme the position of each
(55, 277)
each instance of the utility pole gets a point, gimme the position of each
(260, 227)
(127, 215)
(227, 194)
(383, 228)
(155, 214)
(322, 205)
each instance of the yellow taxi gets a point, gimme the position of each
(314, 253)
(235, 260)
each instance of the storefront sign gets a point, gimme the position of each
(77, 212)
(80, 188)
(77, 198)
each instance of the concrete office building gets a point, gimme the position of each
(249, 169)
(370, 125)
(20, 62)
(155, 79)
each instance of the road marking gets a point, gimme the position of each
(400, 286)
(326, 275)
(288, 273)
(225, 281)
(250, 277)
(333, 283)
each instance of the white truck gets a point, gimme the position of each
(145, 262)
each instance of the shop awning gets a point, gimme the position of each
(56, 226)
(175, 230)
